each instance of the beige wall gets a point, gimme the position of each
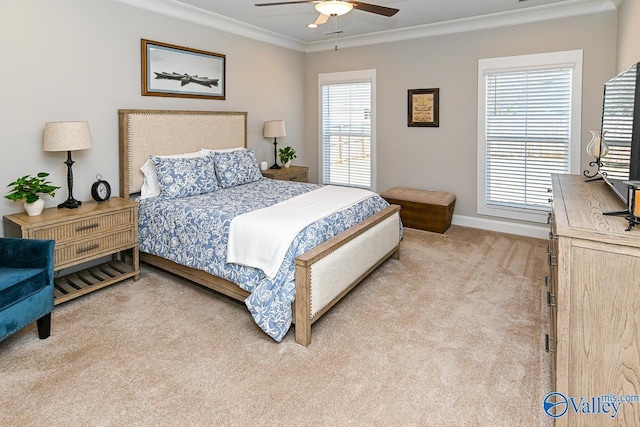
(80, 60)
(628, 34)
(444, 158)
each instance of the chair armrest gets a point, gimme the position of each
(24, 253)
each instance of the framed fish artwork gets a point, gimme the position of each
(176, 71)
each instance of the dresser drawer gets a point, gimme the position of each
(72, 252)
(86, 227)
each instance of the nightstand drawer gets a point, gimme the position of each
(73, 252)
(293, 173)
(299, 176)
(85, 227)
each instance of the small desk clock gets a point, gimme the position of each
(100, 190)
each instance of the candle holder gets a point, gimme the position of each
(633, 202)
(597, 148)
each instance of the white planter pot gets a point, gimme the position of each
(35, 208)
(286, 165)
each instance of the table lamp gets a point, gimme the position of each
(274, 129)
(67, 136)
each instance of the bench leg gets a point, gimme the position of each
(44, 326)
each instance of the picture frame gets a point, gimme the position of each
(177, 71)
(423, 108)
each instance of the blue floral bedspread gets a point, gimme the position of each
(193, 231)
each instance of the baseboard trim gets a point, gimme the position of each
(539, 232)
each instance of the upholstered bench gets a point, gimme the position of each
(423, 209)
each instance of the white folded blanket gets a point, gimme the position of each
(260, 239)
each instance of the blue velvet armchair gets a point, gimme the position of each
(26, 285)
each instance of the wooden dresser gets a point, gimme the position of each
(594, 301)
(292, 173)
(93, 230)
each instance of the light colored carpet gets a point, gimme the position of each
(449, 335)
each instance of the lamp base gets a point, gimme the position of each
(70, 203)
(275, 154)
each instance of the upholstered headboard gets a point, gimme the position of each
(163, 132)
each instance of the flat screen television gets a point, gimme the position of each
(621, 130)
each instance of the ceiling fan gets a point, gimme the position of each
(328, 8)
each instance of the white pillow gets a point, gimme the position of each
(207, 151)
(151, 186)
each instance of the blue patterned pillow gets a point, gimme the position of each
(236, 167)
(184, 177)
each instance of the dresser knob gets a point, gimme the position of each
(547, 343)
(550, 296)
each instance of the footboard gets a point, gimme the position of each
(329, 271)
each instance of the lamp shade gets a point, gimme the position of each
(66, 136)
(274, 129)
(334, 7)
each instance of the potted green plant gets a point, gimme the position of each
(30, 188)
(287, 154)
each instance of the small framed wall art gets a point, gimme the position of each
(424, 107)
(169, 70)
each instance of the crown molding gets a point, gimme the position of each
(483, 22)
(178, 10)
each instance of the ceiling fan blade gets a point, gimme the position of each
(373, 8)
(321, 19)
(285, 2)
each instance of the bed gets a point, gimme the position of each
(322, 274)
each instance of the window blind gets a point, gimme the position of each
(528, 132)
(346, 134)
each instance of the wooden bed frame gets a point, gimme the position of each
(323, 275)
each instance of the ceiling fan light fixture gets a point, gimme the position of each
(334, 7)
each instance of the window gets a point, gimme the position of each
(528, 128)
(347, 131)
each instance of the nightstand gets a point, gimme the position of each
(292, 173)
(91, 231)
